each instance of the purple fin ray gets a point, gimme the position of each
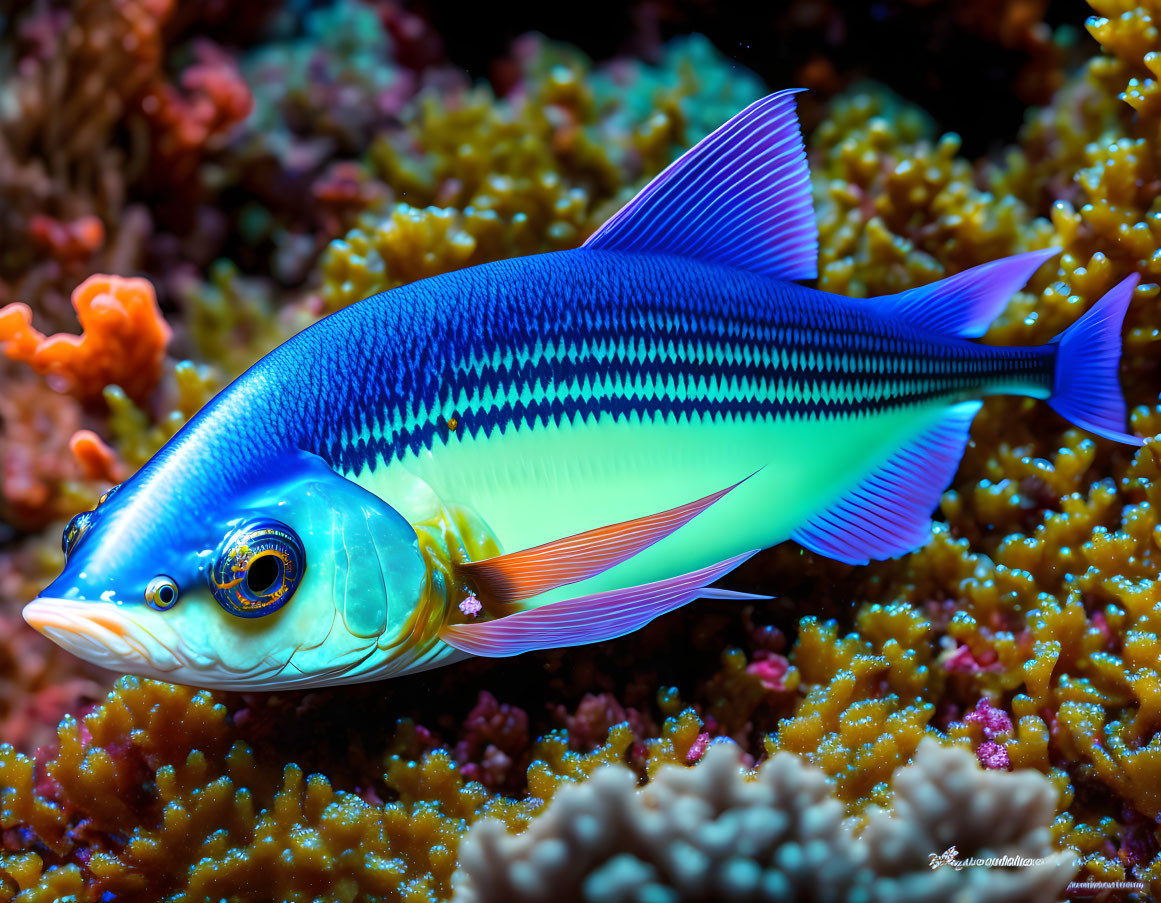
(592, 618)
(1088, 389)
(889, 513)
(741, 197)
(965, 304)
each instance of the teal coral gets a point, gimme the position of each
(714, 832)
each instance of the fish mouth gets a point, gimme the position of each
(103, 633)
(133, 640)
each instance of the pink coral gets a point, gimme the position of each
(994, 721)
(770, 668)
(495, 742)
(186, 122)
(36, 464)
(966, 661)
(697, 750)
(588, 724)
(993, 755)
(70, 241)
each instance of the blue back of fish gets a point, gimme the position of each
(589, 333)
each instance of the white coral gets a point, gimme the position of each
(719, 832)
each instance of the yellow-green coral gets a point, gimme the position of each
(862, 714)
(160, 797)
(895, 208)
(478, 179)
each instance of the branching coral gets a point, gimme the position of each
(190, 123)
(37, 465)
(496, 178)
(162, 804)
(158, 793)
(896, 208)
(39, 684)
(60, 106)
(123, 342)
(712, 832)
(92, 129)
(322, 93)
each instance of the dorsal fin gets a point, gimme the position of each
(964, 304)
(741, 197)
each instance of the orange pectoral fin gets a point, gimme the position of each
(521, 575)
(590, 619)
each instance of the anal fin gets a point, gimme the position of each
(889, 513)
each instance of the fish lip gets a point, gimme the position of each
(99, 632)
(69, 615)
(47, 613)
(106, 634)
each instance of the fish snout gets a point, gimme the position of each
(104, 633)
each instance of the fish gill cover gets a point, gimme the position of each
(194, 184)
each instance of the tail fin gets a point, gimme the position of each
(1088, 388)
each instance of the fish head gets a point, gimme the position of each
(292, 578)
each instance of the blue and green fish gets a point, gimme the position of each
(556, 449)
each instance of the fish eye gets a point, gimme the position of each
(161, 593)
(73, 532)
(257, 569)
(76, 527)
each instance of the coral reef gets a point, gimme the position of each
(536, 172)
(98, 144)
(238, 183)
(163, 791)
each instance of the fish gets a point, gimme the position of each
(556, 449)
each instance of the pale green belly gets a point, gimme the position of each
(531, 486)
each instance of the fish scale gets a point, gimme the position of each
(729, 328)
(749, 373)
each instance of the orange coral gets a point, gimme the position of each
(123, 342)
(97, 460)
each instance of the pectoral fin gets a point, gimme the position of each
(592, 618)
(521, 575)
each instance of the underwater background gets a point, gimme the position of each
(185, 185)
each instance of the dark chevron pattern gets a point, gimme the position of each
(593, 334)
